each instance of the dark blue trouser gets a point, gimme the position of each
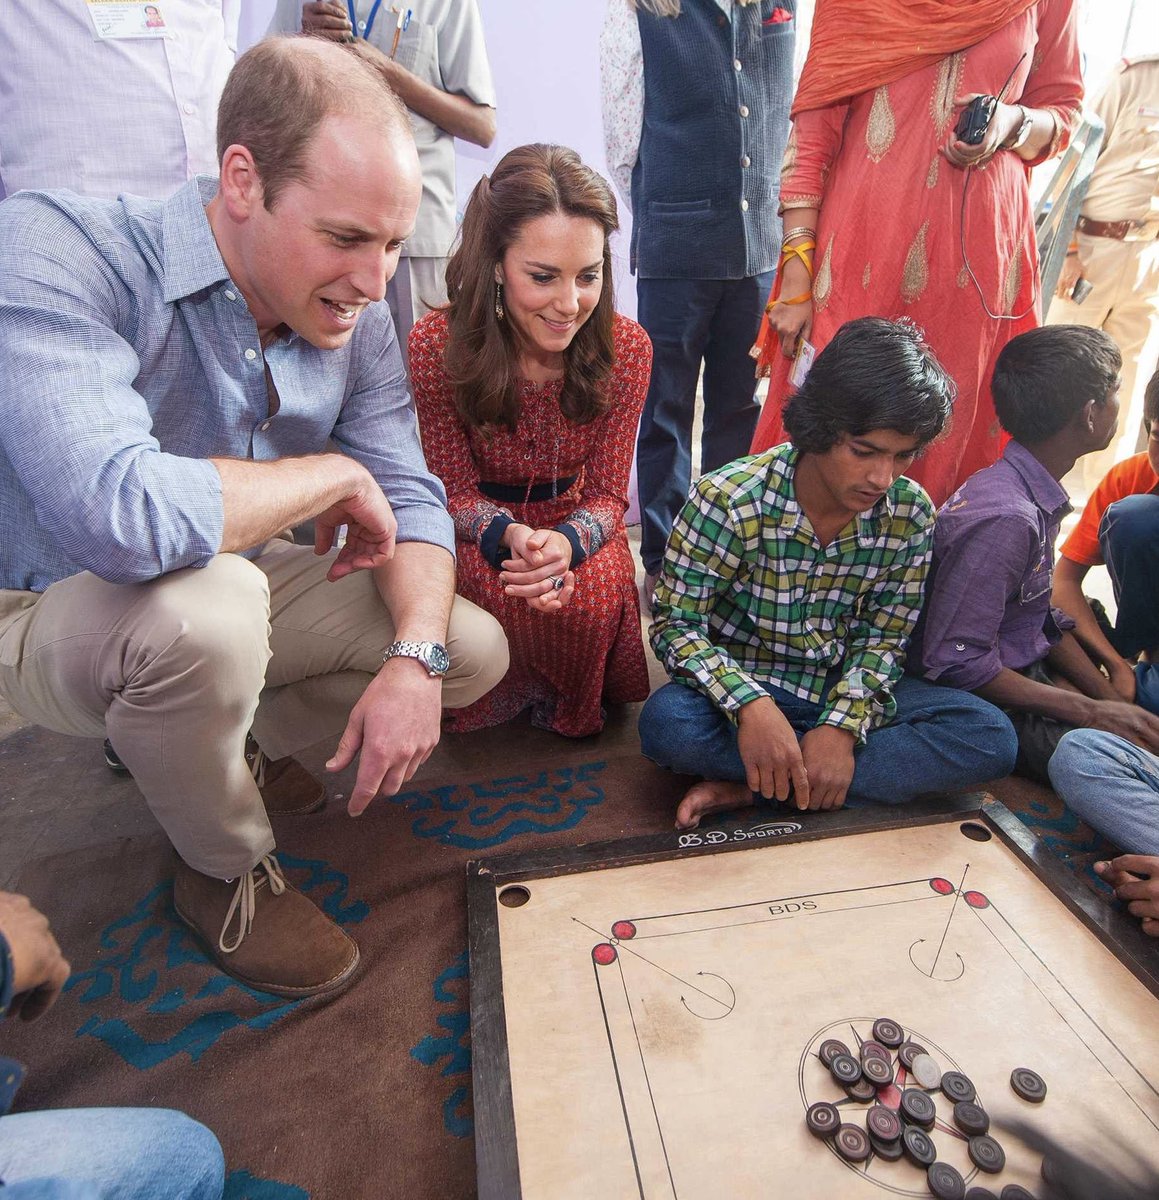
(940, 740)
(690, 320)
(1129, 539)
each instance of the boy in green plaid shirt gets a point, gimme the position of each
(790, 587)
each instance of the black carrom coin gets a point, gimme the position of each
(877, 1071)
(917, 1108)
(888, 1032)
(862, 1090)
(872, 1049)
(986, 1154)
(1028, 1084)
(883, 1123)
(956, 1087)
(945, 1182)
(886, 1151)
(918, 1146)
(980, 1193)
(823, 1119)
(1015, 1191)
(829, 1049)
(908, 1051)
(845, 1069)
(852, 1143)
(972, 1119)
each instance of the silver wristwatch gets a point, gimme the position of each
(433, 656)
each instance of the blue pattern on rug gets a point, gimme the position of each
(1074, 843)
(549, 802)
(241, 1185)
(141, 952)
(454, 1045)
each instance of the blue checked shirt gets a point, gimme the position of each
(129, 358)
(749, 596)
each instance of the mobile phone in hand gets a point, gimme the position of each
(1081, 290)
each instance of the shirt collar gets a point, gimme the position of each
(1046, 491)
(192, 260)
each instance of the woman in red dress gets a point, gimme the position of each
(529, 389)
(872, 193)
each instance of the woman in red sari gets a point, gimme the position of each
(872, 193)
(529, 389)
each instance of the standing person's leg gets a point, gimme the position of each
(1111, 784)
(1129, 540)
(129, 1153)
(730, 383)
(940, 740)
(173, 668)
(676, 314)
(418, 285)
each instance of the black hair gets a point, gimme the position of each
(1151, 402)
(1043, 378)
(873, 374)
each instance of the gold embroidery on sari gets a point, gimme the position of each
(865, 277)
(963, 278)
(932, 173)
(1013, 284)
(823, 284)
(790, 159)
(881, 129)
(946, 85)
(916, 273)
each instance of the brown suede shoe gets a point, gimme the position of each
(263, 931)
(287, 788)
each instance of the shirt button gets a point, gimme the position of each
(743, 110)
(744, 206)
(230, 295)
(251, 354)
(188, 109)
(959, 645)
(264, 426)
(361, 26)
(736, 64)
(745, 161)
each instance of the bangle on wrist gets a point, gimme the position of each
(799, 231)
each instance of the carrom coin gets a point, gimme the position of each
(862, 1090)
(971, 1118)
(956, 1087)
(886, 1151)
(888, 1032)
(1015, 1191)
(883, 1124)
(852, 1143)
(823, 1119)
(845, 1069)
(877, 1071)
(980, 1193)
(917, 1108)
(908, 1051)
(1028, 1084)
(925, 1071)
(918, 1147)
(945, 1182)
(829, 1049)
(986, 1154)
(872, 1049)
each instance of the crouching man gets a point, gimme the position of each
(183, 381)
(791, 583)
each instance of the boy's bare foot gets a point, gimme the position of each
(713, 795)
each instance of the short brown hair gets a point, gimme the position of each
(482, 356)
(282, 89)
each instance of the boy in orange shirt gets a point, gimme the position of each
(1120, 528)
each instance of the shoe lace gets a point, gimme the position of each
(257, 763)
(244, 900)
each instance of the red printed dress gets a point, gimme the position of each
(564, 665)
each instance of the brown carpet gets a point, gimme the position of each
(368, 1095)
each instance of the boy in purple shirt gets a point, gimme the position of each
(988, 625)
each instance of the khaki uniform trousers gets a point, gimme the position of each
(177, 670)
(1124, 303)
(419, 285)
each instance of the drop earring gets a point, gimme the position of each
(500, 312)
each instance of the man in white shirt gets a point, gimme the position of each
(105, 102)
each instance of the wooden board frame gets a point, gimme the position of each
(496, 1153)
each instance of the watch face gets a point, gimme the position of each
(436, 658)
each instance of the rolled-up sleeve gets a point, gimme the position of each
(75, 433)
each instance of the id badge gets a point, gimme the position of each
(118, 19)
(802, 361)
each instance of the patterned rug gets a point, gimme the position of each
(368, 1095)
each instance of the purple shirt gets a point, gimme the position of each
(988, 598)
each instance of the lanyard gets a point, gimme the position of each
(369, 20)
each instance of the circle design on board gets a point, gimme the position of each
(624, 930)
(603, 954)
(883, 1169)
(976, 900)
(942, 886)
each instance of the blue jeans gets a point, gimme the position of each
(1129, 540)
(690, 320)
(109, 1154)
(940, 740)
(1111, 784)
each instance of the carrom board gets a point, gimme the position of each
(646, 1015)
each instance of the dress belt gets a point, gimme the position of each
(519, 493)
(1111, 229)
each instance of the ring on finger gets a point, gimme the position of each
(556, 582)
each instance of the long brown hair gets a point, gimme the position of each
(482, 352)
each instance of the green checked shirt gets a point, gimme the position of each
(749, 596)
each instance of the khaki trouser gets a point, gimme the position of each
(176, 671)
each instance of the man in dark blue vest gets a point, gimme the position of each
(696, 114)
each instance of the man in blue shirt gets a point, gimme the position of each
(183, 381)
